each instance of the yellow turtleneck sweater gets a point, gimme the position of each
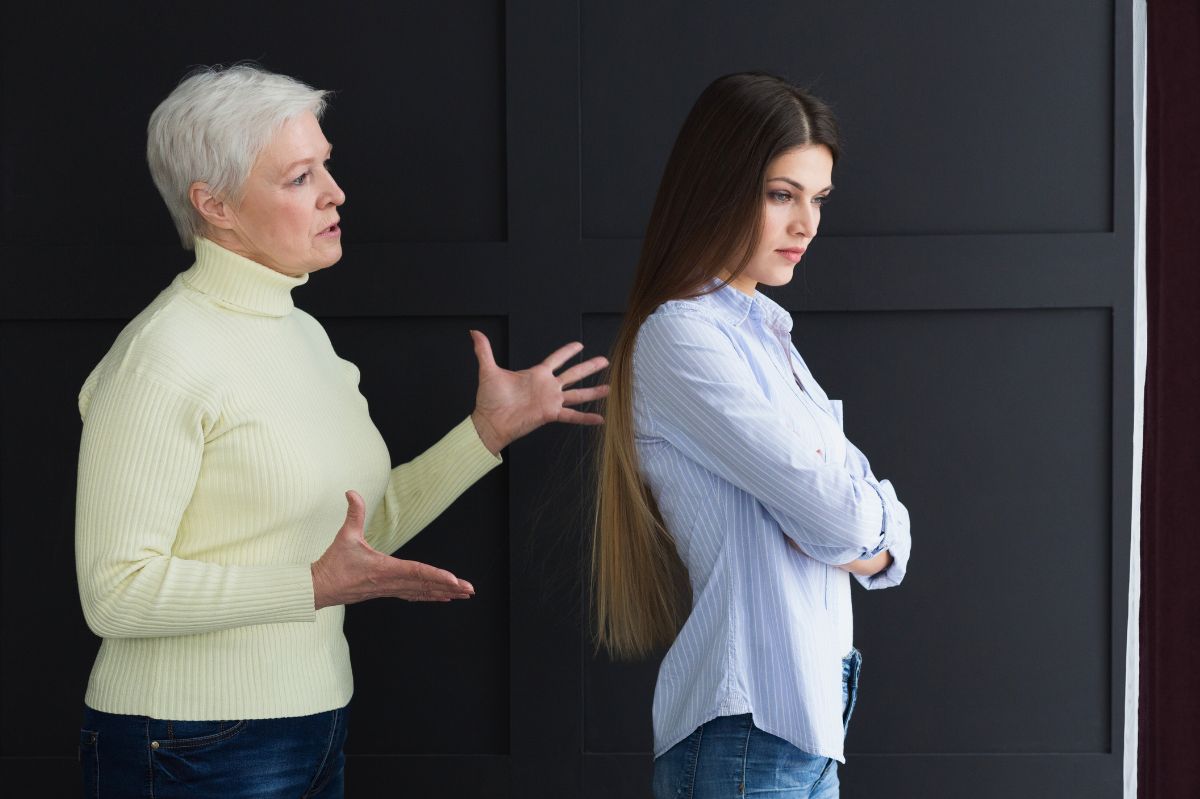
(220, 433)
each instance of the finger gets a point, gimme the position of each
(439, 591)
(414, 595)
(462, 589)
(582, 370)
(420, 592)
(576, 417)
(430, 577)
(425, 593)
(483, 350)
(561, 355)
(577, 396)
(356, 513)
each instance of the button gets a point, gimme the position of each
(154, 744)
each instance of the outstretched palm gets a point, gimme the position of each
(510, 404)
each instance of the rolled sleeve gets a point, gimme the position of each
(899, 537)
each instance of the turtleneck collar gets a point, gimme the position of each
(239, 283)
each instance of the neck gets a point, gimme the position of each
(741, 283)
(237, 244)
(239, 282)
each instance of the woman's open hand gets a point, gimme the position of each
(352, 571)
(510, 404)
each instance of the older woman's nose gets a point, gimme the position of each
(333, 193)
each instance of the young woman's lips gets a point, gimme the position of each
(793, 254)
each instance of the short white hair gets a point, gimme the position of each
(212, 127)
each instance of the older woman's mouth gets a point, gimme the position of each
(333, 231)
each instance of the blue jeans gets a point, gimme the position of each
(137, 756)
(729, 757)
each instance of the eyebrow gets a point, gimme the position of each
(302, 161)
(791, 182)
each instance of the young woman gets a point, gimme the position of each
(724, 467)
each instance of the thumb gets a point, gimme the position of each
(356, 513)
(483, 350)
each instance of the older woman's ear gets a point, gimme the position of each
(215, 211)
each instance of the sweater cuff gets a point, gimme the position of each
(281, 594)
(469, 447)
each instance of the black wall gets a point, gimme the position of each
(969, 298)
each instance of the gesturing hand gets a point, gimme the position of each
(510, 404)
(351, 571)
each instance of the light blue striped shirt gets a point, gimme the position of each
(743, 451)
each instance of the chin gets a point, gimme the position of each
(329, 260)
(780, 278)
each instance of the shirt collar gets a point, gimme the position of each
(239, 283)
(735, 307)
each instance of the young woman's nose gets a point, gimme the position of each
(805, 220)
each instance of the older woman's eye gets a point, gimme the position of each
(300, 181)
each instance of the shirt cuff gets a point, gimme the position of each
(886, 526)
(896, 538)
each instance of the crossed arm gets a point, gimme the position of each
(703, 397)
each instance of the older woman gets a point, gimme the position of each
(221, 435)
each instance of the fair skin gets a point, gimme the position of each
(287, 220)
(796, 184)
(287, 217)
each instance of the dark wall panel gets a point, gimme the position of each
(424, 668)
(987, 423)
(991, 426)
(387, 777)
(46, 650)
(420, 151)
(958, 117)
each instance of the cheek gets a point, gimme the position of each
(292, 225)
(775, 220)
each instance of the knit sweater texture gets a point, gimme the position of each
(220, 434)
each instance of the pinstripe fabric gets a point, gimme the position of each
(219, 434)
(744, 451)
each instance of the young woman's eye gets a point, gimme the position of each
(300, 181)
(779, 196)
(821, 199)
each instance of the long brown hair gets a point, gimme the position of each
(706, 220)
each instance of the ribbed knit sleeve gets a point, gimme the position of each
(140, 455)
(418, 491)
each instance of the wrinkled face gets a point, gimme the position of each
(795, 186)
(287, 218)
